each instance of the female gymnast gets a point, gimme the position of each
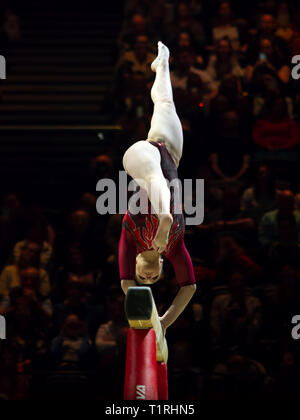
(147, 237)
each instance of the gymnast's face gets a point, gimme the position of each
(148, 268)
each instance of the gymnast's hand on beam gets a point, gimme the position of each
(163, 326)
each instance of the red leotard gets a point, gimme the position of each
(138, 232)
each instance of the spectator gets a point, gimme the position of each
(184, 41)
(14, 275)
(225, 27)
(139, 58)
(29, 328)
(279, 230)
(231, 257)
(287, 378)
(277, 131)
(269, 59)
(33, 226)
(239, 377)
(72, 348)
(227, 220)
(44, 251)
(285, 30)
(79, 232)
(108, 337)
(224, 61)
(235, 317)
(231, 96)
(281, 302)
(101, 167)
(137, 25)
(9, 217)
(191, 85)
(76, 270)
(185, 22)
(266, 30)
(259, 198)
(230, 152)
(78, 301)
(11, 26)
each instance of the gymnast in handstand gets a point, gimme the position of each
(145, 238)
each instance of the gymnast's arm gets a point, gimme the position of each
(127, 261)
(184, 272)
(125, 284)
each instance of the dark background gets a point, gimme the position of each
(77, 95)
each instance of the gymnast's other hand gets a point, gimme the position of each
(163, 326)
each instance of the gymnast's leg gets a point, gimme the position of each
(165, 124)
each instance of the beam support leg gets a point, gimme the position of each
(141, 366)
(162, 381)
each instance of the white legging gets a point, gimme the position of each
(142, 160)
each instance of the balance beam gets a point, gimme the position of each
(147, 350)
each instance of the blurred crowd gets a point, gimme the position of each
(239, 108)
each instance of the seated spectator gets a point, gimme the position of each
(231, 96)
(281, 300)
(137, 6)
(225, 27)
(79, 232)
(31, 285)
(45, 251)
(133, 107)
(277, 132)
(230, 151)
(224, 61)
(108, 338)
(266, 30)
(34, 226)
(261, 196)
(184, 40)
(75, 270)
(11, 26)
(279, 230)
(287, 379)
(269, 59)
(239, 378)
(29, 331)
(184, 21)
(295, 43)
(230, 257)
(78, 301)
(264, 87)
(191, 85)
(14, 275)
(138, 59)
(133, 101)
(136, 25)
(285, 30)
(9, 217)
(227, 220)
(183, 379)
(212, 195)
(101, 167)
(72, 348)
(235, 317)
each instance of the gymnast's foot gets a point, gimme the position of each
(160, 241)
(163, 55)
